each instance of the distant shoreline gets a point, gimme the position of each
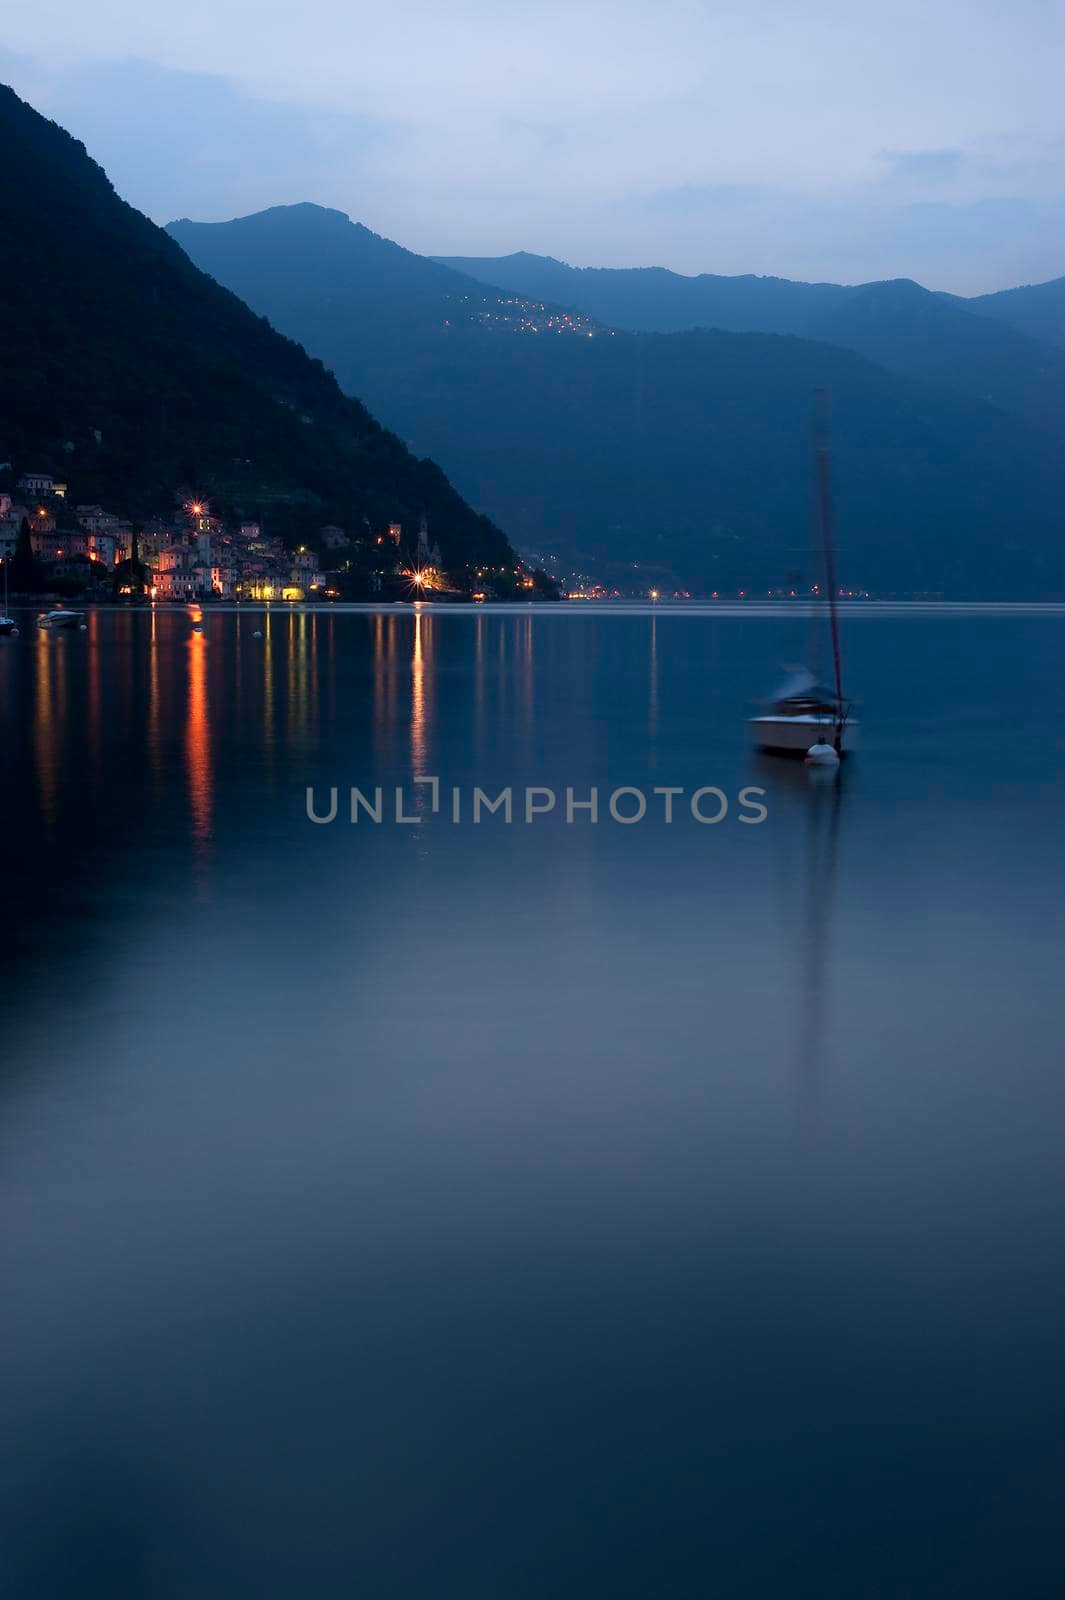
(573, 608)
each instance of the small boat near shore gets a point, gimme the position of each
(61, 619)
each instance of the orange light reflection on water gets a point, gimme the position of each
(198, 768)
(419, 712)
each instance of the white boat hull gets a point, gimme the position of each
(61, 619)
(794, 735)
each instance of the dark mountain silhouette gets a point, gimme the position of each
(687, 452)
(131, 373)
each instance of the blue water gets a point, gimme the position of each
(442, 1209)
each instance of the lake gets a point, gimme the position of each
(545, 1208)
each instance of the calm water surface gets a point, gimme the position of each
(436, 1210)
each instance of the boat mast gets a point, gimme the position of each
(824, 499)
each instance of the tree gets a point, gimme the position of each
(131, 577)
(26, 574)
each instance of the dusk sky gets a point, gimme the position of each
(812, 140)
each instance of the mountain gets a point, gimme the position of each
(387, 288)
(132, 373)
(1036, 309)
(686, 454)
(937, 338)
(999, 348)
(655, 300)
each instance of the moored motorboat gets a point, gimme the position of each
(8, 625)
(61, 619)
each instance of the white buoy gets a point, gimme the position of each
(83, 627)
(257, 634)
(822, 755)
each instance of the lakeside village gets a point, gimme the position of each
(50, 546)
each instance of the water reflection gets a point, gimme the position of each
(313, 701)
(49, 719)
(475, 1205)
(94, 695)
(478, 684)
(302, 679)
(420, 692)
(384, 684)
(154, 731)
(198, 743)
(268, 687)
(525, 679)
(293, 698)
(652, 695)
(812, 800)
(824, 801)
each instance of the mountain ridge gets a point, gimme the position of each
(975, 347)
(687, 452)
(1036, 308)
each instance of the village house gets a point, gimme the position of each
(96, 519)
(11, 520)
(103, 547)
(173, 585)
(173, 578)
(154, 537)
(47, 545)
(38, 483)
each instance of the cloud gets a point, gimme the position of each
(692, 199)
(926, 166)
(744, 136)
(193, 143)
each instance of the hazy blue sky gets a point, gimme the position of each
(810, 138)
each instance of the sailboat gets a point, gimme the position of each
(805, 715)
